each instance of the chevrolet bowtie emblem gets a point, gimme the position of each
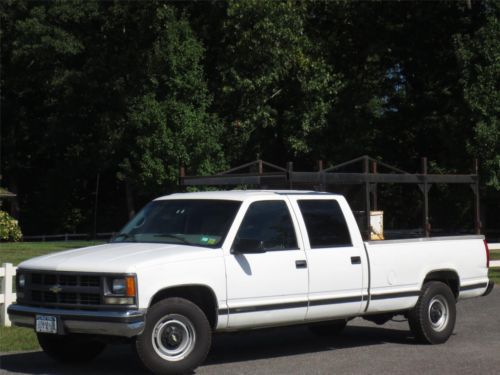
(55, 289)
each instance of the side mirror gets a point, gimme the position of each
(248, 245)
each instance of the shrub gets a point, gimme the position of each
(9, 228)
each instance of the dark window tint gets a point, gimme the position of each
(325, 223)
(269, 224)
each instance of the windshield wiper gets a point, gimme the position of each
(126, 236)
(171, 235)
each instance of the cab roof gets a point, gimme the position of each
(240, 195)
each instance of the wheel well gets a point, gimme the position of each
(200, 295)
(448, 277)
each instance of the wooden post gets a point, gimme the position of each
(425, 191)
(374, 187)
(366, 168)
(477, 202)
(322, 186)
(289, 170)
(7, 297)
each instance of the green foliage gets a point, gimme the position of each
(9, 228)
(130, 91)
(276, 89)
(167, 123)
(479, 54)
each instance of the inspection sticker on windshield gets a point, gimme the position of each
(46, 324)
(208, 240)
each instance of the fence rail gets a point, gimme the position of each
(8, 295)
(68, 237)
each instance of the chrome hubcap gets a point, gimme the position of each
(173, 337)
(438, 313)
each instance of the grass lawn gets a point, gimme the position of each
(495, 255)
(495, 276)
(16, 252)
(14, 339)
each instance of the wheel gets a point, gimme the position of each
(433, 318)
(176, 338)
(70, 348)
(328, 328)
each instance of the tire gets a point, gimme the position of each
(332, 328)
(70, 348)
(176, 338)
(432, 320)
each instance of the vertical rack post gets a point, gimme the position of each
(374, 187)
(322, 186)
(425, 191)
(477, 205)
(289, 170)
(366, 168)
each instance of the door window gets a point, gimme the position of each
(325, 223)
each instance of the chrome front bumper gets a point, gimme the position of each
(128, 323)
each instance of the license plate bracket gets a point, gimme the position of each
(46, 324)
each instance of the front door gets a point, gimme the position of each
(267, 276)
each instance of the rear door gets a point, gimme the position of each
(334, 256)
(267, 276)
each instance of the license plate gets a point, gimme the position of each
(46, 324)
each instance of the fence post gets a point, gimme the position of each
(9, 272)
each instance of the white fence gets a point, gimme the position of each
(8, 271)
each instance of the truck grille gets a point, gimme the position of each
(62, 290)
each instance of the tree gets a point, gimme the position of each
(275, 87)
(479, 54)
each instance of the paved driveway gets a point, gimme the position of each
(363, 348)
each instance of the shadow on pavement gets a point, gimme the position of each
(226, 348)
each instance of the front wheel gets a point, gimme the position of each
(70, 348)
(432, 320)
(176, 339)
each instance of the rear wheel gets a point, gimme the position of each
(432, 320)
(70, 348)
(176, 339)
(332, 328)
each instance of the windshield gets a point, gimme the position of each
(193, 222)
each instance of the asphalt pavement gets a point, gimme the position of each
(363, 348)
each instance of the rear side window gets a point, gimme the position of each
(325, 223)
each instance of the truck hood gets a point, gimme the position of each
(117, 257)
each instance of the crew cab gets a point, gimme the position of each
(191, 264)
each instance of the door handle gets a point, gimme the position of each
(355, 260)
(300, 264)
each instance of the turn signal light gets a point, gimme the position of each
(130, 280)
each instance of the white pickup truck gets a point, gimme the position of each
(192, 264)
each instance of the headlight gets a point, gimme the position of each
(120, 291)
(21, 281)
(119, 286)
